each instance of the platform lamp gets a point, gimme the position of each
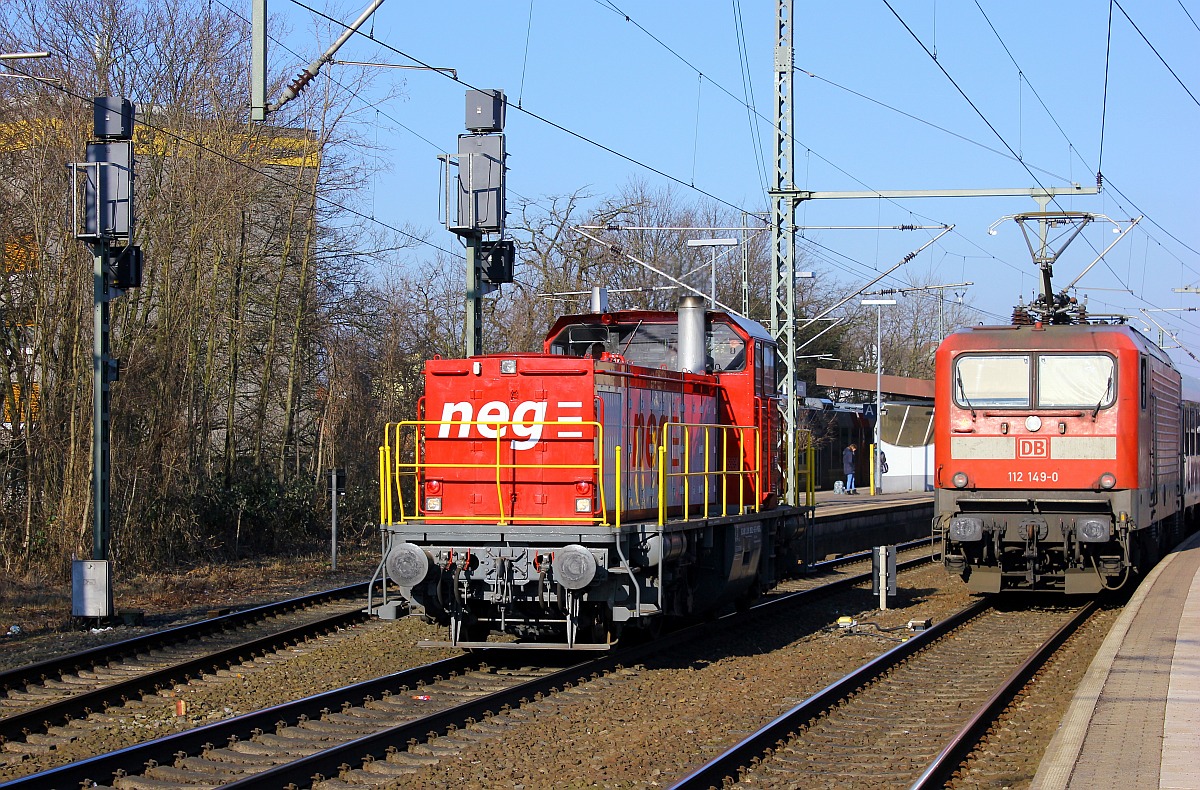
(879, 303)
(712, 270)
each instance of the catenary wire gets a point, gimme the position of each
(1156, 52)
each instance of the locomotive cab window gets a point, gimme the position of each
(649, 345)
(992, 380)
(579, 340)
(726, 349)
(770, 383)
(1075, 381)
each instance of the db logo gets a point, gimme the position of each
(1033, 448)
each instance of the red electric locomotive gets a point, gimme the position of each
(1065, 456)
(626, 474)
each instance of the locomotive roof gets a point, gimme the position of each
(1056, 337)
(752, 329)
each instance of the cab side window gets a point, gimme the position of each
(1145, 382)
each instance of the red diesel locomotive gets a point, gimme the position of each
(626, 474)
(1066, 456)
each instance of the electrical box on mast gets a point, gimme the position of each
(475, 206)
(480, 184)
(485, 111)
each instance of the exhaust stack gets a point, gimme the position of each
(599, 301)
(692, 356)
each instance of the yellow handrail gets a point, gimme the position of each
(394, 470)
(741, 434)
(617, 464)
(385, 499)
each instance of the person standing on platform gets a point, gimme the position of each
(848, 467)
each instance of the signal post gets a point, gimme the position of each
(107, 229)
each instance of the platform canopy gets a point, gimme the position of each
(865, 382)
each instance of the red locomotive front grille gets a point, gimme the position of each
(510, 446)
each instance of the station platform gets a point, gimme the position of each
(830, 502)
(1135, 718)
(845, 523)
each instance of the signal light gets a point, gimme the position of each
(433, 487)
(583, 486)
(959, 480)
(1108, 481)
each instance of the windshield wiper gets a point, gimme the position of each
(630, 340)
(963, 392)
(1103, 397)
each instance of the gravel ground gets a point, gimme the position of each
(651, 724)
(40, 608)
(356, 654)
(642, 727)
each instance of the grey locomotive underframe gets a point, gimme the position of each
(582, 585)
(1074, 542)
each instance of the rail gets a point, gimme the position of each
(960, 746)
(136, 760)
(842, 695)
(59, 711)
(731, 438)
(726, 765)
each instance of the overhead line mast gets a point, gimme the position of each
(784, 200)
(783, 234)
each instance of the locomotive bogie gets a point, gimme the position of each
(1073, 546)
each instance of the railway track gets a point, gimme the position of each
(910, 715)
(35, 698)
(821, 574)
(359, 724)
(434, 710)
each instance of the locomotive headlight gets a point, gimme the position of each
(1093, 530)
(1033, 423)
(583, 505)
(962, 529)
(959, 480)
(508, 367)
(1108, 481)
(433, 504)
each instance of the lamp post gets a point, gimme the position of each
(879, 303)
(712, 270)
(7, 56)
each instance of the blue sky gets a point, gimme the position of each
(582, 65)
